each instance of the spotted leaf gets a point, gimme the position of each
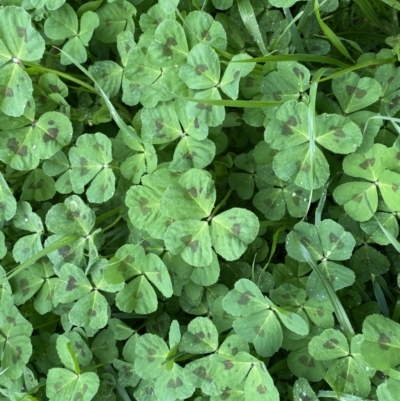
(355, 93)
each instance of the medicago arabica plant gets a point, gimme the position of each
(199, 200)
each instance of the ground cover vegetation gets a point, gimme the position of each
(199, 199)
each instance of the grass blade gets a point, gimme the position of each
(330, 34)
(340, 313)
(129, 131)
(249, 19)
(378, 61)
(313, 58)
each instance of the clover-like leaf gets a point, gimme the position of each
(232, 231)
(200, 338)
(202, 70)
(63, 384)
(193, 197)
(330, 344)
(90, 160)
(169, 46)
(191, 239)
(19, 42)
(8, 204)
(30, 244)
(380, 348)
(359, 199)
(15, 344)
(200, 27)
(290, 79)
(23, 147)
(355, 93)
(115, 17)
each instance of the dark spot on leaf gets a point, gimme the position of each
(11, 320)
(245, 298)
(235, 230)
(277, 96)
(167, 51)
(201, 68)
(51, 134)
(367, 163)
(298, 72)
(286, 129)
(234, 350)
(206, 35)
(58, 386)
(259, 331)
(307, 362)
(13, 145)
(357, 198)
(305, 241)
(337, 131)
(236, 75)
(196, 123)
(139, 295)
(347, 377)
(92, 313)
(296, 196)
(192, 192)
(21, 32)
(383, 340)
(226, 393)
(320, 312)
(189, 155)
(334, 239)
(286, 296)
(36, 185)
(390, 80)
(65, 252)
(143, 208)
(98, 146)
(331, 344)
(199, 336)
(228, 364)
(9, 92)
(395, 188)
(17, 355)
(201, 371)
(108, 22)
(159, 125)
(261, 389)
(24, 285)
(84, 164)
(203, 106)
(358, 93)
(71, 284)
(249, 82)
(54, 88)
(150, 353)
(394, 102)
(175, 383)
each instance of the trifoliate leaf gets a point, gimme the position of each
(191, 239)
(232, 231)
(330, 344)
(200, 27)
(91, 311)
(359, 199)
(193, 197)
(380, 348)
(200, 338)
(355, 93)
(72, 284)
(169, 46)
(63, 384)
(202, 70)
(8, 204)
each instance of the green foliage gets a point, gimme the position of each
(199, 200)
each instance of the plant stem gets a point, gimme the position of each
(220, 204)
